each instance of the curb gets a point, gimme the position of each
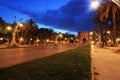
(92, 63)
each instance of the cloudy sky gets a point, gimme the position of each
(60, 15)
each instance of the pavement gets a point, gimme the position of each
(13, 56)
(105, 63)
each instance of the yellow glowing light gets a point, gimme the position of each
(21, 39)
(71, 38)
(76, 39)
(65, 38)
(110, 40)
(31, 39)
(118, 39)
(47, 40)
(91, 33)
(60, 35)
(92, 42)
(37, 40)
(9, 28)
(1, 38)
(20, 24)
(108, 32)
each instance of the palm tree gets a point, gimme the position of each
(30, 29)
(107, 12)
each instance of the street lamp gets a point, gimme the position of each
(95, 4)
(118, 41)
(108, 32)
(60, 35)
(13, 43)
(1, 39)
(91, 33)
(47, 40)
(9, 28)
(98, 35)
(21, 40)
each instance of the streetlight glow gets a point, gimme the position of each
(13, 41)
(20, 24)
(9, 28)
(118, 39)
(108, 32)
(21, 39)
(31, 39)
(94, 4)
(37, 40)
(47, 40)
(91, 33)
(1, 39)
(60, 35)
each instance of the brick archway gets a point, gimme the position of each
(82, 35)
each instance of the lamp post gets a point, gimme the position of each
(98, 35)
(13, 43)
(58, 36)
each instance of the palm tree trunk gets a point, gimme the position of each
(114, 25)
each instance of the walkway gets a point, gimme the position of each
(10, 57)
(106, 63)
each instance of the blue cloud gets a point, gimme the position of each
(74, 16)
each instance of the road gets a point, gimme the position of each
(106, 63)
(10, 57)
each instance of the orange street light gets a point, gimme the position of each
(1, 39)
(20, 24)
(9, 28)
(91, 33)
(21, 39)
(47, 40)
(13, 41)
(108, 32)
(60, 35)
(37, 40)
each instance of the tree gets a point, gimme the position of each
(44, 34)
(106, 12)
(2, 24)
(31, 28)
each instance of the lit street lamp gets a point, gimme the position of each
(95, 4)
(59, 36)
(9, 28)
(13, 43)
(108, 32)
(98, 35)
(1, 39)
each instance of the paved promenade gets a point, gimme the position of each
(106, 63)
(10, 57)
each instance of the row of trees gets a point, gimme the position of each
(107, 18)
(30, 33)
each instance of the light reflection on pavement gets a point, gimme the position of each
(9, 57)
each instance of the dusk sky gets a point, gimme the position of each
(61, 15)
